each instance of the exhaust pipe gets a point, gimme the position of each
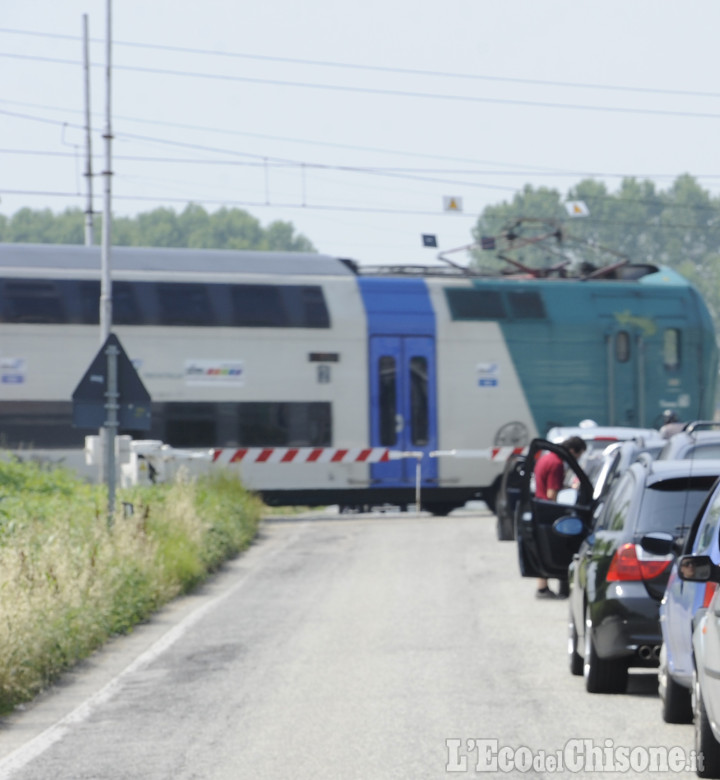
(656, 652)
(645, 652)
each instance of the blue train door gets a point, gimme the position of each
(402, 402)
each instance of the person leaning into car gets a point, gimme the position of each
(549, 479)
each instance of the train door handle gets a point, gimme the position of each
(399, 423)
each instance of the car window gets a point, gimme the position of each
(616, 508)
(671, 505)
(709, 524)
(703, 452)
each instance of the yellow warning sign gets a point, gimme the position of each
(451, 203)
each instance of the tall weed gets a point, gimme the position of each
(69, 580)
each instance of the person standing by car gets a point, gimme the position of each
(671, 425)
(549, 479)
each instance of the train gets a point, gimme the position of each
(303, 352)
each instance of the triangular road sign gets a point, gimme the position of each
(90, 396)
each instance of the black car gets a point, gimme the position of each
(616, 584)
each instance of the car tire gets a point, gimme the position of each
(504, 527)
(602, 675)
(706, 746)
(575, 659)
(676, 699)
(505, 521)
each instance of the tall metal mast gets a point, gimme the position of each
(89, 230)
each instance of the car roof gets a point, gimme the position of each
(686, 439)
(659, 470)
(606, 433)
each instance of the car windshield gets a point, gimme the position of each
(671, 505)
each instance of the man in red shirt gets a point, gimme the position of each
(549, 478)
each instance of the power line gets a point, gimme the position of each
(375, 68)
(395, 93)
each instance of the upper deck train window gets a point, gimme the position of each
(184, 304)
(64, 301)
(257, 306)
(278, 306)
(30, 300)
(469, 303)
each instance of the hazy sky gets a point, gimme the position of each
(355, 120)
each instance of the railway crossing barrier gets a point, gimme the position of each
(149, 461)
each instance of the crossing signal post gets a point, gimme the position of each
(111, 395)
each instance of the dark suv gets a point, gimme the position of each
(616, 584)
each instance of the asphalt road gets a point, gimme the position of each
(368, 646)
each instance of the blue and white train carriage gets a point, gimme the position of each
(273, 350)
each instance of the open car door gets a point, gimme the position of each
(549, 533)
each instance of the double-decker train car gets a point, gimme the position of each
(274, 350)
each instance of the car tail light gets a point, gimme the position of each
(710, 588)
(632, 563)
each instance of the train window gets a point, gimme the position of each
(315, 313)
(258, 306)
(671, 349)
(28, 424)
(184, 304)
(622, 346)
(29, 300)
(125, 307)
(278, 306)
(248, 424)
(284, 424)
(189, 425)
(387, 397)
(526, 305)
(89, 303)
(473, 304)
(419, 416)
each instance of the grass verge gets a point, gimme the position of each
(69, 580)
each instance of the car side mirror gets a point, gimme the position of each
(698, 568)
(569, 526)
(658, 543)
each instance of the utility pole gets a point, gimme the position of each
(89, 231)
(111, 424)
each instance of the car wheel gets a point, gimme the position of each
(602, 675)
(676, 699)
(706, 746)
(505, 527)
(505, 521)
(575, 659)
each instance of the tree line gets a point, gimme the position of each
(194, 227)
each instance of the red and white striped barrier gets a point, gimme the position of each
(302, 455)
(347, 455)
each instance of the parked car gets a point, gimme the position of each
(682, 602)
(706, 674)
(616, 583)
(699, 439)
(597, 438)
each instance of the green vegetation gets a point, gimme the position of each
(678, 227)
(68, 581)
(194, 228)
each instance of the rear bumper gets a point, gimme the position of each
(626, 624)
